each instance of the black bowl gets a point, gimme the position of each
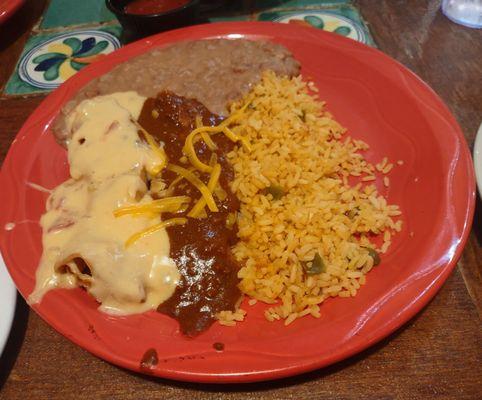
(137, 26)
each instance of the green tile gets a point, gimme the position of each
(332, 15)
(338, 16)
(63, 13)
(246, 8)
(26, 80)
(297, 3)
(233, 18)
(344, 20)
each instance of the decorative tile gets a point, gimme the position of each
(58, 47)
(341, 20)
(280, 4)
(233, 18)
(338, 16)
(63, 13)
(50, 59)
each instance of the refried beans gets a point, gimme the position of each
(215, 72)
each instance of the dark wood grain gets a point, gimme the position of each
(449, 58)
(437, 354)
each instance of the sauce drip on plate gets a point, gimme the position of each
(201, 248)
(149, 360)
(218, 346)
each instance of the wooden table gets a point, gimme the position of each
(438, 354)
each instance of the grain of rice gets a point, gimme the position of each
(225, 322)
(315, 312)
(394, 213)
(387, 169)
(385, 246)
(291, 318)
(306, 311)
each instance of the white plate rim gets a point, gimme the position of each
(8, 296)
(478, 159)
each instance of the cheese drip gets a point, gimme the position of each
(83, 241)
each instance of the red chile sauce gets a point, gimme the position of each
(202, 247)
(218, 346)
(148, 7)
(149, 360)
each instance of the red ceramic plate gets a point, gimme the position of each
(8, 7)
(379, 101)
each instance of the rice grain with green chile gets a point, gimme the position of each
(305, 232)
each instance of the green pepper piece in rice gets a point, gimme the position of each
(353, 212)
(274, 190)
(315, 267)
(374, 254)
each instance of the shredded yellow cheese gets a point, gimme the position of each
(205, 135)
(237, 114)
(245, 143)
(213, 181)
(203, 130)
(207, 139)
(235, 138)
(213, 160)
(159, 151)
(206, 193)
(168, 204)
(220, 193)
(231, 220)
(164, 224)
(174, 183)
(191, 152)
(230, 134)
(180, 203)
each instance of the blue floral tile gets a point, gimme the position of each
(330, 20)
(280, 4)
(338, 16)
(58, 48)
(48, 60)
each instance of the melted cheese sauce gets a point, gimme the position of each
(107, 162)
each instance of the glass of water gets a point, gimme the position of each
(465, 12)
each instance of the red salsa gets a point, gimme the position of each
(146, 7)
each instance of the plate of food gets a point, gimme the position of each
(235, 202)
